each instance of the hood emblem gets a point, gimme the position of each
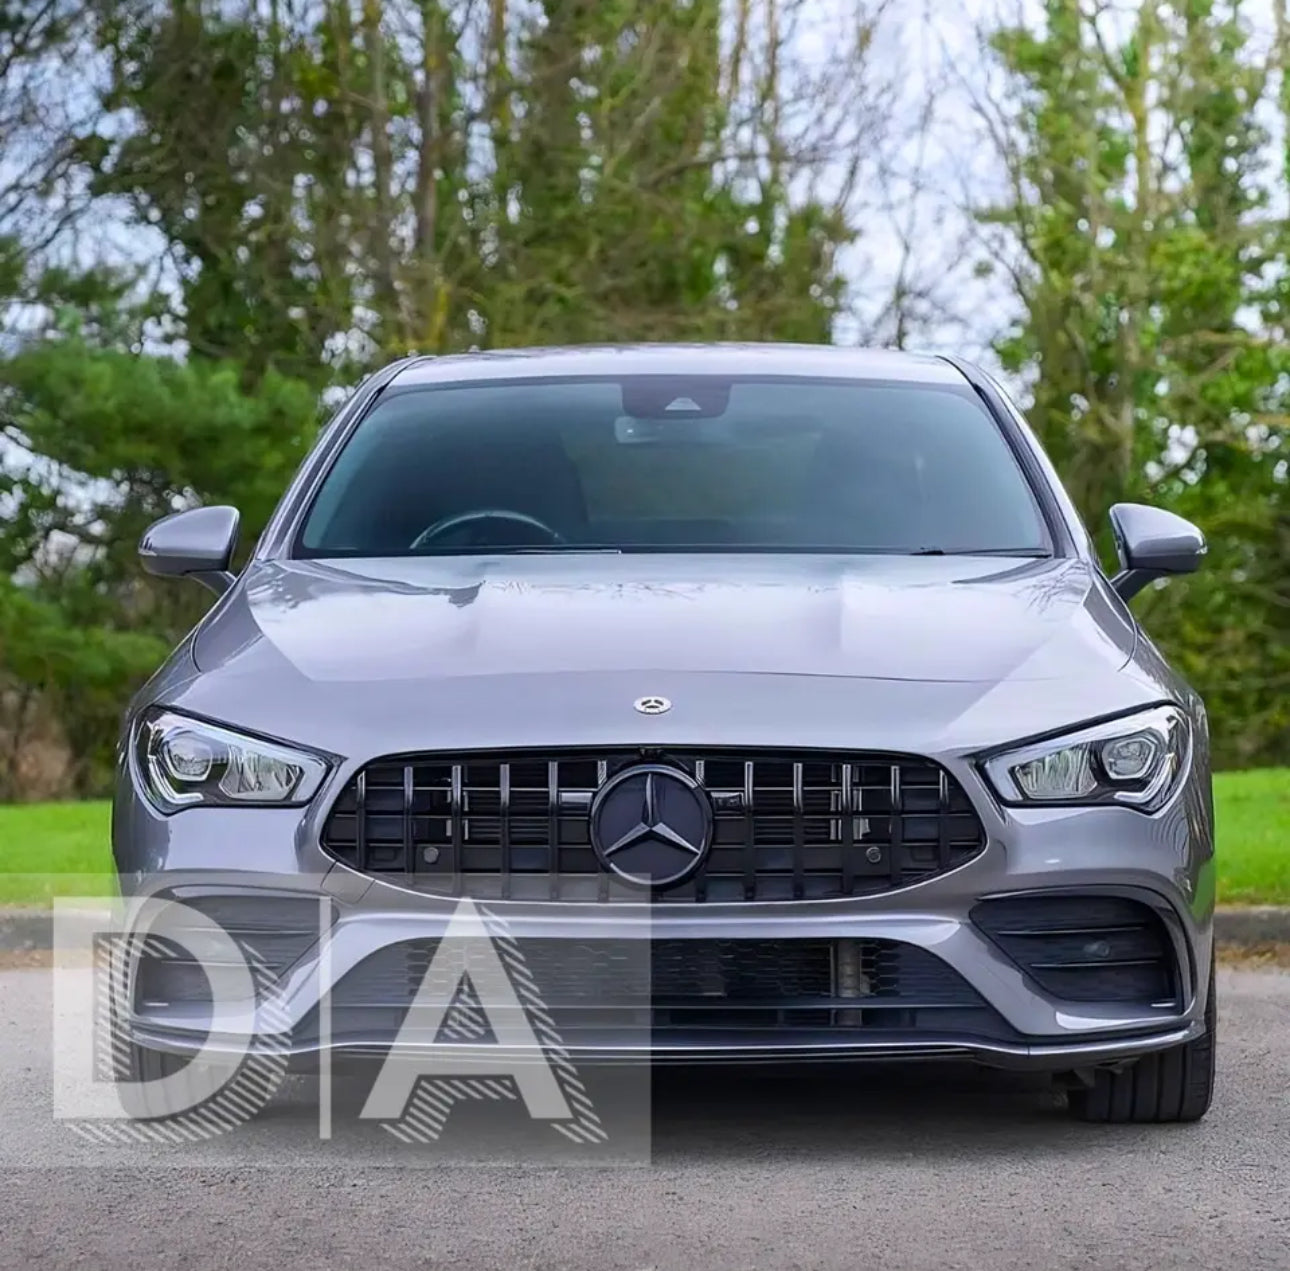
(653, 705)
(651, 825)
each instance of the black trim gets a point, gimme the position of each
(1128, 582)
(217, 580)
(723, 988)
(1178, 923)
(1076, 726)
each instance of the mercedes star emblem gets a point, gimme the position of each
(653, 705)
(651, 825)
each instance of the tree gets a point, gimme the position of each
(1140, 243)
(336, 181)
(113, 440)
(442, 174)
(41, 119)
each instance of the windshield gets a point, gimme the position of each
(657, 464)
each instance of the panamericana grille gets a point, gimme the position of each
(1085, 948)
(799, 826)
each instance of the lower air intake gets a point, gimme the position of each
(1085, 948)
(670, 987)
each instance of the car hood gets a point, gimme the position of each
(941, 619)
(919, 654)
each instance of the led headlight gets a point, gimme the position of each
(187, 762)
(1135, 760)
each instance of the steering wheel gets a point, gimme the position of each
(460, 519)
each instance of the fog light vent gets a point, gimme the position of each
(1085, 948)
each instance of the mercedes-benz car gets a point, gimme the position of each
(786, 673)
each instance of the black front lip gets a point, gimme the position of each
(1026, 1054)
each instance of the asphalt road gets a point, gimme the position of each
(927, 1168)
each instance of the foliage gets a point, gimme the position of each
(75, 668)
(322, 184)
(116, 440)
(334, 183)
(1148, 262)
(339, 182)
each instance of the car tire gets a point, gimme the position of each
(142, 1102)
(1169, 1086)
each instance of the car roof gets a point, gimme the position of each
(824, 361)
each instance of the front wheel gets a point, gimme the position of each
(138, 1068)
(1171, 1085)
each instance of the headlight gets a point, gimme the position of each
(187, 762)
(1135, 760)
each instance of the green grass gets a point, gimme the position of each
(49, 849)
(62, 848)
(1252, 811)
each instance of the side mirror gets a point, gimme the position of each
(1152, 543)
(196, 544)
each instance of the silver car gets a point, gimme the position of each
(785, 673)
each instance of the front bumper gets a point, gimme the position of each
(1017, 1024)
(1164, 862)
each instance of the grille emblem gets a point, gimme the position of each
(651, 825)
(653, 705)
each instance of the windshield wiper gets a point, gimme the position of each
(1035, 553)
(557, 549)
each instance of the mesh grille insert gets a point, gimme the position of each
(670, 985)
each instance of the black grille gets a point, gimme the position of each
(1085, 948)
(677, 984)
(807, 826)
